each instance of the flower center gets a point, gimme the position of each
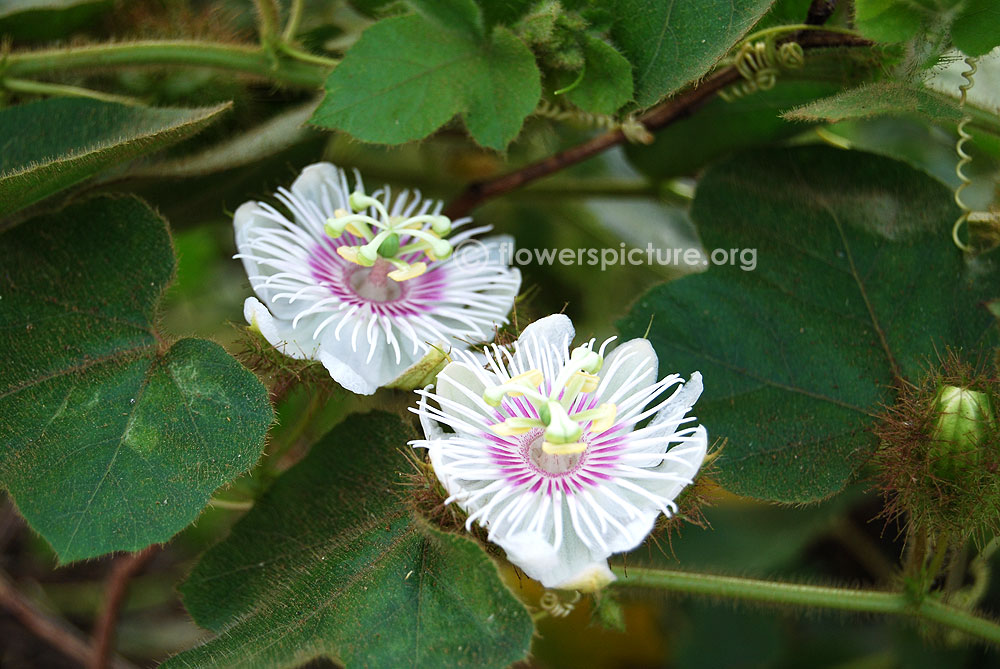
(551, 463)
(373, 283)
(388, 239)
(562, 431)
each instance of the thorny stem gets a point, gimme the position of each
(794, 594)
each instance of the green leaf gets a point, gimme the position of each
(399, 84)
(333, 561)
(53, 144)
(607, 78)
(671, 44)
(504, 12)
(881, 98)
(48, 19)
(113, 439)
(888, 21)
(856, 282)
(459, 15)
(976, 30)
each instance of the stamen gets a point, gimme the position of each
(563, 449)
(411, 271)
(516, 425)
(392, 230)
(603, 417)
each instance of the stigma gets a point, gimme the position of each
(397, 240)
(555, 401)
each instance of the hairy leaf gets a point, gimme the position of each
(892, 98)
(112, 438)
(888, 20)
(53, 144)
(607, 79)
(48, 19)
(856, 286)
(459, 15)
(333, 562)
(406, 77)
(671, 44)
(976, 30)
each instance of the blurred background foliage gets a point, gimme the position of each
(637, 194)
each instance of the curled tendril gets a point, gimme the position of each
(631, 127)
(760, 63)
(554, 606)
(964, 158)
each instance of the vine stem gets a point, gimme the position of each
(122, 571)
(657, 118)
(216, 55)
(56, 632)
(62, 90)
(794, 594)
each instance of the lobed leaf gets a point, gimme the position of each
(112, 439)
(406, 77)
(334, 562)
(857, 286)
(607, 78)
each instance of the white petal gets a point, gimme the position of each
(572, 567)
(343, 374)
(544, 343)
(247, 219)
(691, 454)
(682, 402)
(633, 363)
(353, 369)
(295, 343)
(458, 383)
(321, 184)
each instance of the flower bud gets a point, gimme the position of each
(964, 420)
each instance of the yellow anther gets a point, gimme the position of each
(352, 254)
(563, 449)
(339, 213)
(590, 381)
(516, 425)
(531, 378)
(411, 271)
(605, 419)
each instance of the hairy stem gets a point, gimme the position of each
(234, 57)
(842, 599)
(294, 19)
(61, 90)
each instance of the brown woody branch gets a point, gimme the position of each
(657, 118)
(54, 631)
(122, 571)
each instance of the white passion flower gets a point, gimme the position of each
(367, 284)
(544, 449)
